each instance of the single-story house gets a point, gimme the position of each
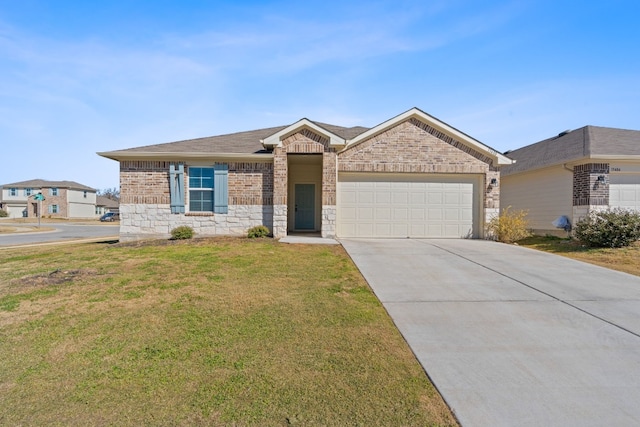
(571, 174)
(105, 204)
(411, 176)
(61, 199)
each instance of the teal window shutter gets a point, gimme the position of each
(176, 188)
(221, 189)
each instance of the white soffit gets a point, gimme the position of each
(276, 139)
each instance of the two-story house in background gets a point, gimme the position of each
(62, 199)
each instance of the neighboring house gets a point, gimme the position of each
(411, 176)
(62, 199)
(105, 204)
(572, 174)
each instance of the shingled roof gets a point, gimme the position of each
(240, 143)
(590, 142)
(43, 183)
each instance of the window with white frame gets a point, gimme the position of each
(13, 191)
(201, 189)
(28, 191)
(53, 191)
(53, 209)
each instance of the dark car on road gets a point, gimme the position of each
(110, 216)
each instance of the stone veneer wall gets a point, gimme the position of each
(145, 201)
(415, 147)
(138, 221)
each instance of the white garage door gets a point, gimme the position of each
(624, 191)
(407, 205)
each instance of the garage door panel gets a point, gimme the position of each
(434, 198)
(383, 197)
(383, 214)
(624, 191)
(423, 206)
(400, 198)
(417, 214)
(349, 213)
(417, 197)
(366, 196)
(365, 229)
(435, 214)
(349, 196)
(400, 214)
(383, 230)
(399, 229)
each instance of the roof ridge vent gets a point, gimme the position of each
(564, 132)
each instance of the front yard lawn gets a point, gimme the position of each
(621, 259)
(203, 332)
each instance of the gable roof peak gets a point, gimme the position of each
(416, 113)
(276, 139)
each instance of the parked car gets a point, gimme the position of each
(110, 216)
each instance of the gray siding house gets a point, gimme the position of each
(574, 173)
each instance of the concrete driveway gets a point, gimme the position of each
(512, 336)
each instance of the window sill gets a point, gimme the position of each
(199, 214)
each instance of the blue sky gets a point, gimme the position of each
(81, 77)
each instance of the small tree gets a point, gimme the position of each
(509, 227)
(110, 193)
(612, 228)
(3, 213)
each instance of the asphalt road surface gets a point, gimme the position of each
(61, 232)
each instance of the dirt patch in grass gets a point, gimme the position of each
(54, 277)
(226, 331)
(625, 259)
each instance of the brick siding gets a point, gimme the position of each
(587, 191)
(144, 182)
(415, 147)
(60, 200)
(408, 148)
(147, 182)
(250, 183)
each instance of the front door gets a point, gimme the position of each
(305, 199)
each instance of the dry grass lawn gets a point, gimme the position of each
(621, 259)
(203, 332)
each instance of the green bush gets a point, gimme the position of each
(182, 232)
(3, 213)
(258, 231)
(509, 227)
(612, 228)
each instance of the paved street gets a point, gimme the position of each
(62, 232)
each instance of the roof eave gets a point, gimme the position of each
(570, 163)
(140, 155)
